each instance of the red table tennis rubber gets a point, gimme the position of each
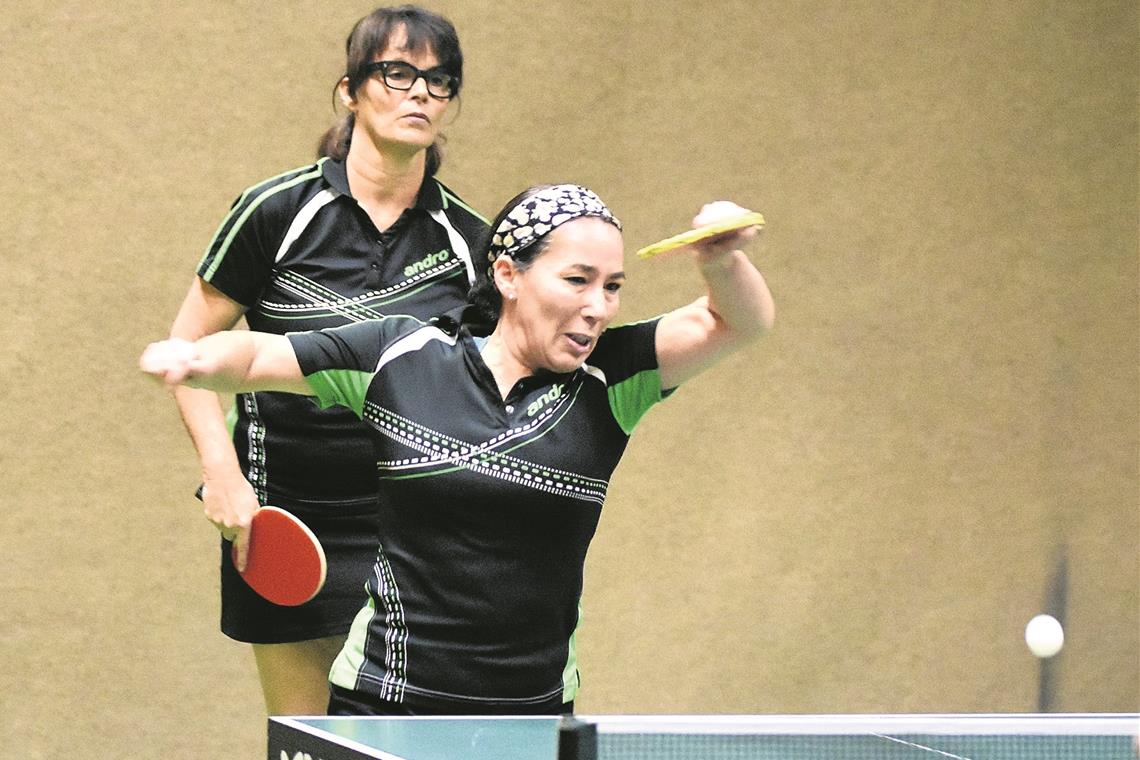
(286, 563)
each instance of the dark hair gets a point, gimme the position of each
(369, 36)
(484, 301)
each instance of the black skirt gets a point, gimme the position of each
(348, 533)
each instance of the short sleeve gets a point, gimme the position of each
(339, 363)
(238, 260)
(240, 257)
(626, 357)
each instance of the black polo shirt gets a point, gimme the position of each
(300, 253)
(488, 506)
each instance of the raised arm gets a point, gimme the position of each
(736, 309)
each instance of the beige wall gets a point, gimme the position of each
(857, 515)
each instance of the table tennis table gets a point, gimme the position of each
(713, 737)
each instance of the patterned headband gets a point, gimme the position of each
(540, 213)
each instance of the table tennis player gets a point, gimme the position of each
(367, 230)
(496, 429)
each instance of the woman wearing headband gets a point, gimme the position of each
(364, 232)
(490, 493)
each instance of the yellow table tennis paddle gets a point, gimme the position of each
(751, 219)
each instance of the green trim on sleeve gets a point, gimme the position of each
(340, 387)
(632, 398)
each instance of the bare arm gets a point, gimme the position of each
(229, 500)
(736, 310)
(232, 361)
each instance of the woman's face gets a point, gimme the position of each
(566, 297)
(398, 120)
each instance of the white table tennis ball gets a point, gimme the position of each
(1044, 636)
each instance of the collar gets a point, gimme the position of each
(429, 198)
(474, 335)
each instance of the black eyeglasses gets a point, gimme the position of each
(400, 75)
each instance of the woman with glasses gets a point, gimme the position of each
(365, 232)
(490, 494)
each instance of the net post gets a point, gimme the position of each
(577, 739)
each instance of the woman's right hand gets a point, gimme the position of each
(169, 361)
(726, 241)
(229, 503)
(228, 499)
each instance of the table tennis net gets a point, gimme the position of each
(864, 738)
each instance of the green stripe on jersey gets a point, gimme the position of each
(245, 214)
(238, 205)
(571, 680)
(631, 398)
(343, 387)
(232, 417)
(351, 658)
(449, 197)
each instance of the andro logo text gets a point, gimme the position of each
(551, 395)
(427, 262)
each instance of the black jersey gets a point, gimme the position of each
(488, 505)
(300, 253)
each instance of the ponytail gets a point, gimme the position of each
(334, 142)
(434, 159)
